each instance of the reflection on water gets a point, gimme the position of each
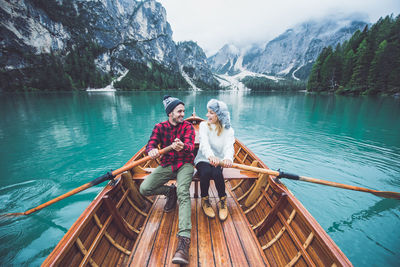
(377, 209)
(381, 209)
(52, 143)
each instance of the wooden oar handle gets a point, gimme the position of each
(255, 169)
(140, 161)
(280, 174)
(98, 180)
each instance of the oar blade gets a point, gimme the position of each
(387, 194)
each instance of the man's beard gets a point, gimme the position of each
(177, 120)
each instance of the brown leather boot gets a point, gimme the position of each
(208, 210)
(222, 209)
(182, 251)
(171, 199)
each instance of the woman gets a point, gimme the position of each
(216, 144)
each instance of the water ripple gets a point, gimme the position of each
(22, 196)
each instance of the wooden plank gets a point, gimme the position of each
(233, 236)
(84, 252)
(272, 215)
(88, 236)
(295, 239)
(160, 248)
(117, 218)
(281, 251)
(194, 253)
(99, 246)
(284, 249)
(73, 257)
(236, 252)
(111, 255)
(103, 247)
(143, 250)
(136, 220)
(67, 243)
(220, 249)
(205, 250)
(95, 243)
(255, 256)
(173, 241)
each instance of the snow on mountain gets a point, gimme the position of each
(293, 52)
(225, 60)
(233, 82)
(301, 45)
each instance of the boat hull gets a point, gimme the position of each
(267, 225)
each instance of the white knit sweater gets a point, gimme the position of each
(213, 145)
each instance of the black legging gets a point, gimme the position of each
(208, 172)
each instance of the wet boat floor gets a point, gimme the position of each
(213, 243)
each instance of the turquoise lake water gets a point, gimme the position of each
(52, 143)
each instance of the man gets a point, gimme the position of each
(178, 162)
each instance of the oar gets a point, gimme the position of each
(98, 180)
(280, 174)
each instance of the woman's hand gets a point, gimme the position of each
(214, 161)
(227, 163)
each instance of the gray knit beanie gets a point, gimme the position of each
(170, 103)
(221, 109)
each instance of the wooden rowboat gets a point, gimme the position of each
(266, 226)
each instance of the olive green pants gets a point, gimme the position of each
(154, 184)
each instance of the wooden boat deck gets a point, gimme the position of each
(213, 243)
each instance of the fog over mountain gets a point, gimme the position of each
(290, 55)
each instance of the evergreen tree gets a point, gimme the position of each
(392, 66)
(315, 82)
(338, 65)
(378, 74)
(369, 62)
(348, 66)
(358, 80)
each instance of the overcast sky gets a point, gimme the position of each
(213, 23)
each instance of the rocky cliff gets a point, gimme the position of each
(193, 65)
(114, 34)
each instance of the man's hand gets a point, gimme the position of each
(178, 145)
(214, 161)
(154, 153)
(227, 163)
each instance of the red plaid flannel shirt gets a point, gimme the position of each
(164, 134)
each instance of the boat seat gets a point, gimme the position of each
(229, 174)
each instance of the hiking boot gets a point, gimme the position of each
(171, 199)
(182, 251)
(222, 209)
(208, 210)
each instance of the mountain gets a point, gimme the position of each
(194, 67)
(88, 43)
(225, 60)
(289, 55)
